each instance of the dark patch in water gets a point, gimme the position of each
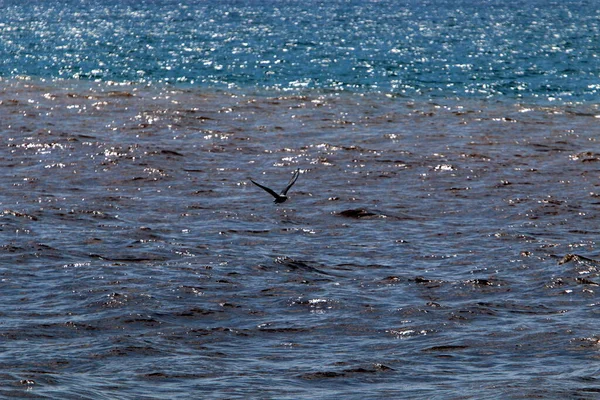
(298, 265)
(171, 153)
(130, 259)
(446, 348)
(577, 258)
(195, 312)
(375, 368)
(358, 213)
(483, 282)
(584, 281)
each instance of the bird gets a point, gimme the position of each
(282, 196)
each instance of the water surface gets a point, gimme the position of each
(440, 241)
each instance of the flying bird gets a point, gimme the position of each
(282, 196)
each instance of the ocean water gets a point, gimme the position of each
(440, 242)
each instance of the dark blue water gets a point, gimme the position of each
(441, 241)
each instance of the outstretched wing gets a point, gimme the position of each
(266, 189)
(291, 182)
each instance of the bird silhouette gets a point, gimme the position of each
(282, 196)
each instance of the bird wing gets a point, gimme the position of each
(291, 182)
(266, 189)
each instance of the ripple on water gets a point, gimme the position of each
(450, 240)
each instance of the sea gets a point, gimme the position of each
(440, 242)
